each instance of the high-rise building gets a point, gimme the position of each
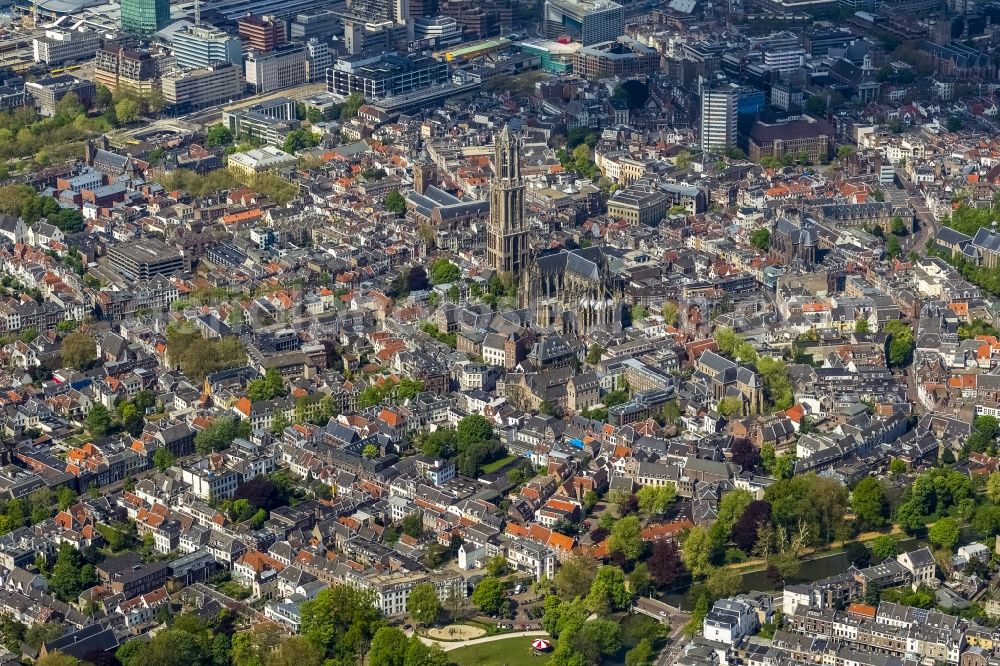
(587, 21)
(377, 11)
(719, 111)
(320, 22)
(318, 60)
(479, 19)
(506, 232)
(202, 45)
(261, 33)
(142, 18)
(283, 67)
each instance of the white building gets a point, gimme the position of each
(921, 564)
(58, 46)
(283, 67)
(718, 119)
(729, 621)
(530, 556)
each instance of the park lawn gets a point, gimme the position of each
(507, 652)
(497, 464)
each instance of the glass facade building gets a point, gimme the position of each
(142, 18)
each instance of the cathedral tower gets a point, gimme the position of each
(507, 233)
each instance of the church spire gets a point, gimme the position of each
(507, 234)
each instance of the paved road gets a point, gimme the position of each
(448, 646)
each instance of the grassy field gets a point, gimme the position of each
(508, 652)
(497, 464)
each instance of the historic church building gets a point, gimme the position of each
(572, 291)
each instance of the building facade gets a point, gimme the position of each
(586, 21)
(573, 291)
(142, 18)
(718, 119)
(58, 46)
(279, 68)
(506, 232)
(188, 89)
(201, 46)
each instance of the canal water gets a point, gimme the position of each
(811, 570)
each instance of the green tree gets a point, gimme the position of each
(413, 525)
(626, 538)
(218, 135)
(127, 111)
(594, 354)
(670, 313)
(993, 487)
(473, 429)
(299, 139)
(640, 581)
(496, 566)
(869, 503)
(898, 227)
(654, 500)
(56, 658)
(608, 592)
(730, 406)
(761, 238)
(815, 105)
(388, 648)
(945, 533)
(488, 595)
(575, 576)
(395, 203)
(861, 325)
(418, 654)
(220, 434)
(65, 496)
(641, 655)
(698, 551)
(341, 621)
(893, 247)
(443, 271)
(423, 604)
(296, 651)
(103, 97)
(351, 105)
(163, 459)
(279, 422)
(78, 350)
(98, 420)
(897, 467)
(370, 451)
(900, 344)
(723, 582)
(70, 576)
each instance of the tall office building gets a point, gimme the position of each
(204, 45)
(719, 111)
(506, 232)
(261, 33)
(587, 21)
(378, 11)
(283, 67)
(142, 18)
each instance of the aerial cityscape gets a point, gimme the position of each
(499, 332)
